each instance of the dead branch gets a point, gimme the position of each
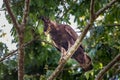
(71, 51)
(106, 68)
(111, 25)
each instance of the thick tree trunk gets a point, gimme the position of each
(20, 31)
(21, 56)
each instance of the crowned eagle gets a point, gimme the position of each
(64, 37)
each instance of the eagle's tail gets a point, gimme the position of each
(88, 63)
(84, 60)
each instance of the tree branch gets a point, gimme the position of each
(110, 25)
(11, 14)
(8, 55)
(106, 68)
(92, 13)
(26, 10)
(26, 44)
(78, 42)
(105, 8)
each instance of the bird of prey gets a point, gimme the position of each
(64, 37)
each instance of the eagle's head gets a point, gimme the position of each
(47, 24)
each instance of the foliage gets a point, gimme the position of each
(41, 58)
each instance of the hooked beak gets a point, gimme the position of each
(48, 31)
(43, 18)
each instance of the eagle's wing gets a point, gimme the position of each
(71, 32)
(56, 46)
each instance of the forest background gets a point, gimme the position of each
(40, 58)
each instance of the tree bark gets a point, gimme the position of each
(21, 55)
(20, 31)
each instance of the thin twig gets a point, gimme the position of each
(8, 55)
(106, 68)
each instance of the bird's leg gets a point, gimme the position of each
(63, 54)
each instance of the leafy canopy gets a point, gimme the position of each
(41, 58)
